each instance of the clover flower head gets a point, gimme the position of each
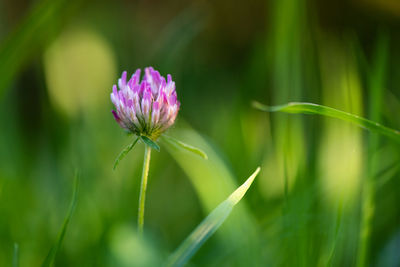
(146, 107)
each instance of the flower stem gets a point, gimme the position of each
(143, 186)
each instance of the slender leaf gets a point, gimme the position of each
(187, 147)
(53, 251)
(124, 152)
(150, 143)
(336, 235)
(209, 225)
(310, 108)
(15, 262)
(212, 181)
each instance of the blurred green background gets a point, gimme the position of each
(327, 194)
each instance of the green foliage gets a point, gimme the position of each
(150, 143)
(30, 36)
(49, 261)
(124, 152)
(212, 182)
(184, 146)
(56, 61)
(309, 108)
(209, 225)
(15, 262)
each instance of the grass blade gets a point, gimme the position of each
(33, 34)
(124, 152)
(15, 262)
(310, 108)
(187, 147)
(211, 192)
(53, 251)
(386, 174)
(209, 225)
(150, 143)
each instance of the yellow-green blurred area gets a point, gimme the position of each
(328, 193)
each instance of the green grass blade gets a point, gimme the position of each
(310, 108)
(29, 38)
(209, 225)
(187, 147)
(336, 235)
(53, 251)
(124, 152)
(213, 181)
(386, 174)
(150, 143)
(15, 262)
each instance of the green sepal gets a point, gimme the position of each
(150, 142)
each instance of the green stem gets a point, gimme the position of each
(143, 186)
(367, 210)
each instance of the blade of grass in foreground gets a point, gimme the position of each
(209, 225)
(310, 108)
(53, 251)
(211, 192)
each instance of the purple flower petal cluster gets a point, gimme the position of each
(147, 107)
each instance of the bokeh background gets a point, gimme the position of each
(328, 192)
